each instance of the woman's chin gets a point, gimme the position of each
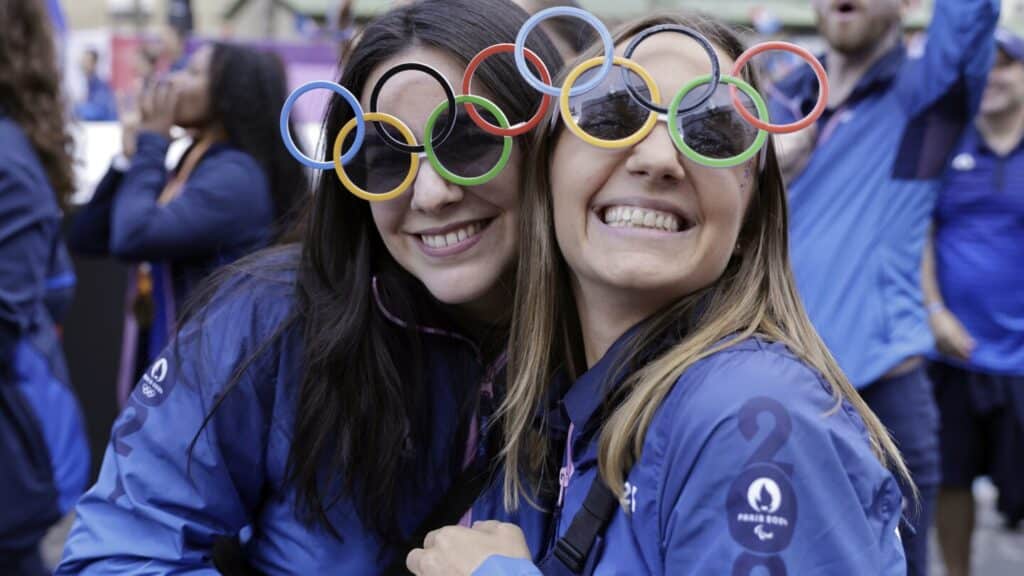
(459, 293)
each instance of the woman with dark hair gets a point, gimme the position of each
(323, 403)
(232, 193)
(45, 459)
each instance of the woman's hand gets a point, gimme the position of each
(130, 120)
(459, 551)
(951, 338)
(156, 107)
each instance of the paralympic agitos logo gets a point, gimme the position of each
(762, 509)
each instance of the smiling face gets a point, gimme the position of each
(1005, 89)
(855, 26)
(644, 225)
(460, 242)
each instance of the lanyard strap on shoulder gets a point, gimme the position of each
(573, 548)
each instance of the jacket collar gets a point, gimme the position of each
(878, 77)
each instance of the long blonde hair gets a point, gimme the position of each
(755, 295)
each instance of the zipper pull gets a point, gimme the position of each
(566, 472)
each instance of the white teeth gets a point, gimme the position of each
(451, 238)
(632, 217)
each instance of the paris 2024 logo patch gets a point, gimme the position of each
(762, 509)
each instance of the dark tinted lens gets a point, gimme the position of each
(609, 112)
(376, 168)
(715, 129)
(469, 151)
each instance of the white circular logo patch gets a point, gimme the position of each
(153, 388)
(964, 162)
(159, 370)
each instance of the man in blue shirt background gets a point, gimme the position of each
(862, 204)
(974, 288)
(99, 104)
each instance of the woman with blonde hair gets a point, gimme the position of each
(708, 429)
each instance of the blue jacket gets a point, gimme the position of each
(979, 253)
(42, 438)
(860, 211)
(748, 462)
(224, 212)
(152, 511)
(100, 104)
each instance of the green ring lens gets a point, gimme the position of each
(447, 174)
(680, 142)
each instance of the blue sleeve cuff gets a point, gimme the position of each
(496, 565)
(154, 138)
(151, 144)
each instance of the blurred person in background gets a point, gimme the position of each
(974, 289)
(173, 48)
(861, 201)
(44, 457)
(341, 22)
(99, 104)
(145, 68)
(232, 193)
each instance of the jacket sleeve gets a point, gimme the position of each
(26, 233)
(223, 198)
(958, 55)
(170, 486)
(763, 471)
(89, 232)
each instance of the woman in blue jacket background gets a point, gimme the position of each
(231, 194)
(708, 429)
(318, 402)
(44, 456)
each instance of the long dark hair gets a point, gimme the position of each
(30, 91)
(248, 87)
(363, 427)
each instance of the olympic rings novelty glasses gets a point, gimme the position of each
(715, 120)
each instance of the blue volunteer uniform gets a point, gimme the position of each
(155, 510)
(860, 211)
(859, 217)
(224, 211)
(979, 252)
(747, 464)
(43, 447)
(100, 104)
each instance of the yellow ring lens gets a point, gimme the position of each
(347, 182)
(570, 122)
